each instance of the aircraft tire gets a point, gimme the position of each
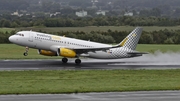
(77, 61)
(25, 54)
(64, 60)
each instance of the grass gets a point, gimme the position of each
(6, 29)
(72, 81)
(91, 28)
(12, 51)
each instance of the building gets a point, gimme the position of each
(55, 14)
(16, 14)
(101, 12)
(81, 13)
(128, 14)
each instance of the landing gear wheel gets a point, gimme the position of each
(77, 61)
(26, 51)
(64, 60)
(25, 54)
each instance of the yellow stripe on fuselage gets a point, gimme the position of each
(56, 38)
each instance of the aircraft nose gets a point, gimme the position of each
(11, 39)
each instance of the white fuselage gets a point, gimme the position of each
(43, 41)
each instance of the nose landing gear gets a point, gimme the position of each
(26, 51)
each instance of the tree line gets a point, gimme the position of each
(87, 21)
(154, 37)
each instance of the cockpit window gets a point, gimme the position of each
(19, 34)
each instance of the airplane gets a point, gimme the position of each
(52, 45)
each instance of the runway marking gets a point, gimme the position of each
(113, 96)
(145, 63)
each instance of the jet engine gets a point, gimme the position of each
(66, 53)
(47, 53)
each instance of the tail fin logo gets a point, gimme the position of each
(123, 42)
(134, 35)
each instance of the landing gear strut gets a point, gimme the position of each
(77, 61)
(64, 60)
(26, 51)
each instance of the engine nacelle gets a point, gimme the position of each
(47, 53)
(66, 53)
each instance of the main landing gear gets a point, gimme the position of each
(26, 51)
(77, 61)
(65, 60)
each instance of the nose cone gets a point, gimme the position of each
(11, 39)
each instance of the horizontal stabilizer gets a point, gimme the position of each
(136, 53)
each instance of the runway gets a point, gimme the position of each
(116, 96)
(157, 60)
(86, 64)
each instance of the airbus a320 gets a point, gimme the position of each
(52, 45)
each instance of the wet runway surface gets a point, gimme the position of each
(86, 64)
(116, 96)
(150, 61)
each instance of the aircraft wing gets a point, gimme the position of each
(80, 50)
(89, 49)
